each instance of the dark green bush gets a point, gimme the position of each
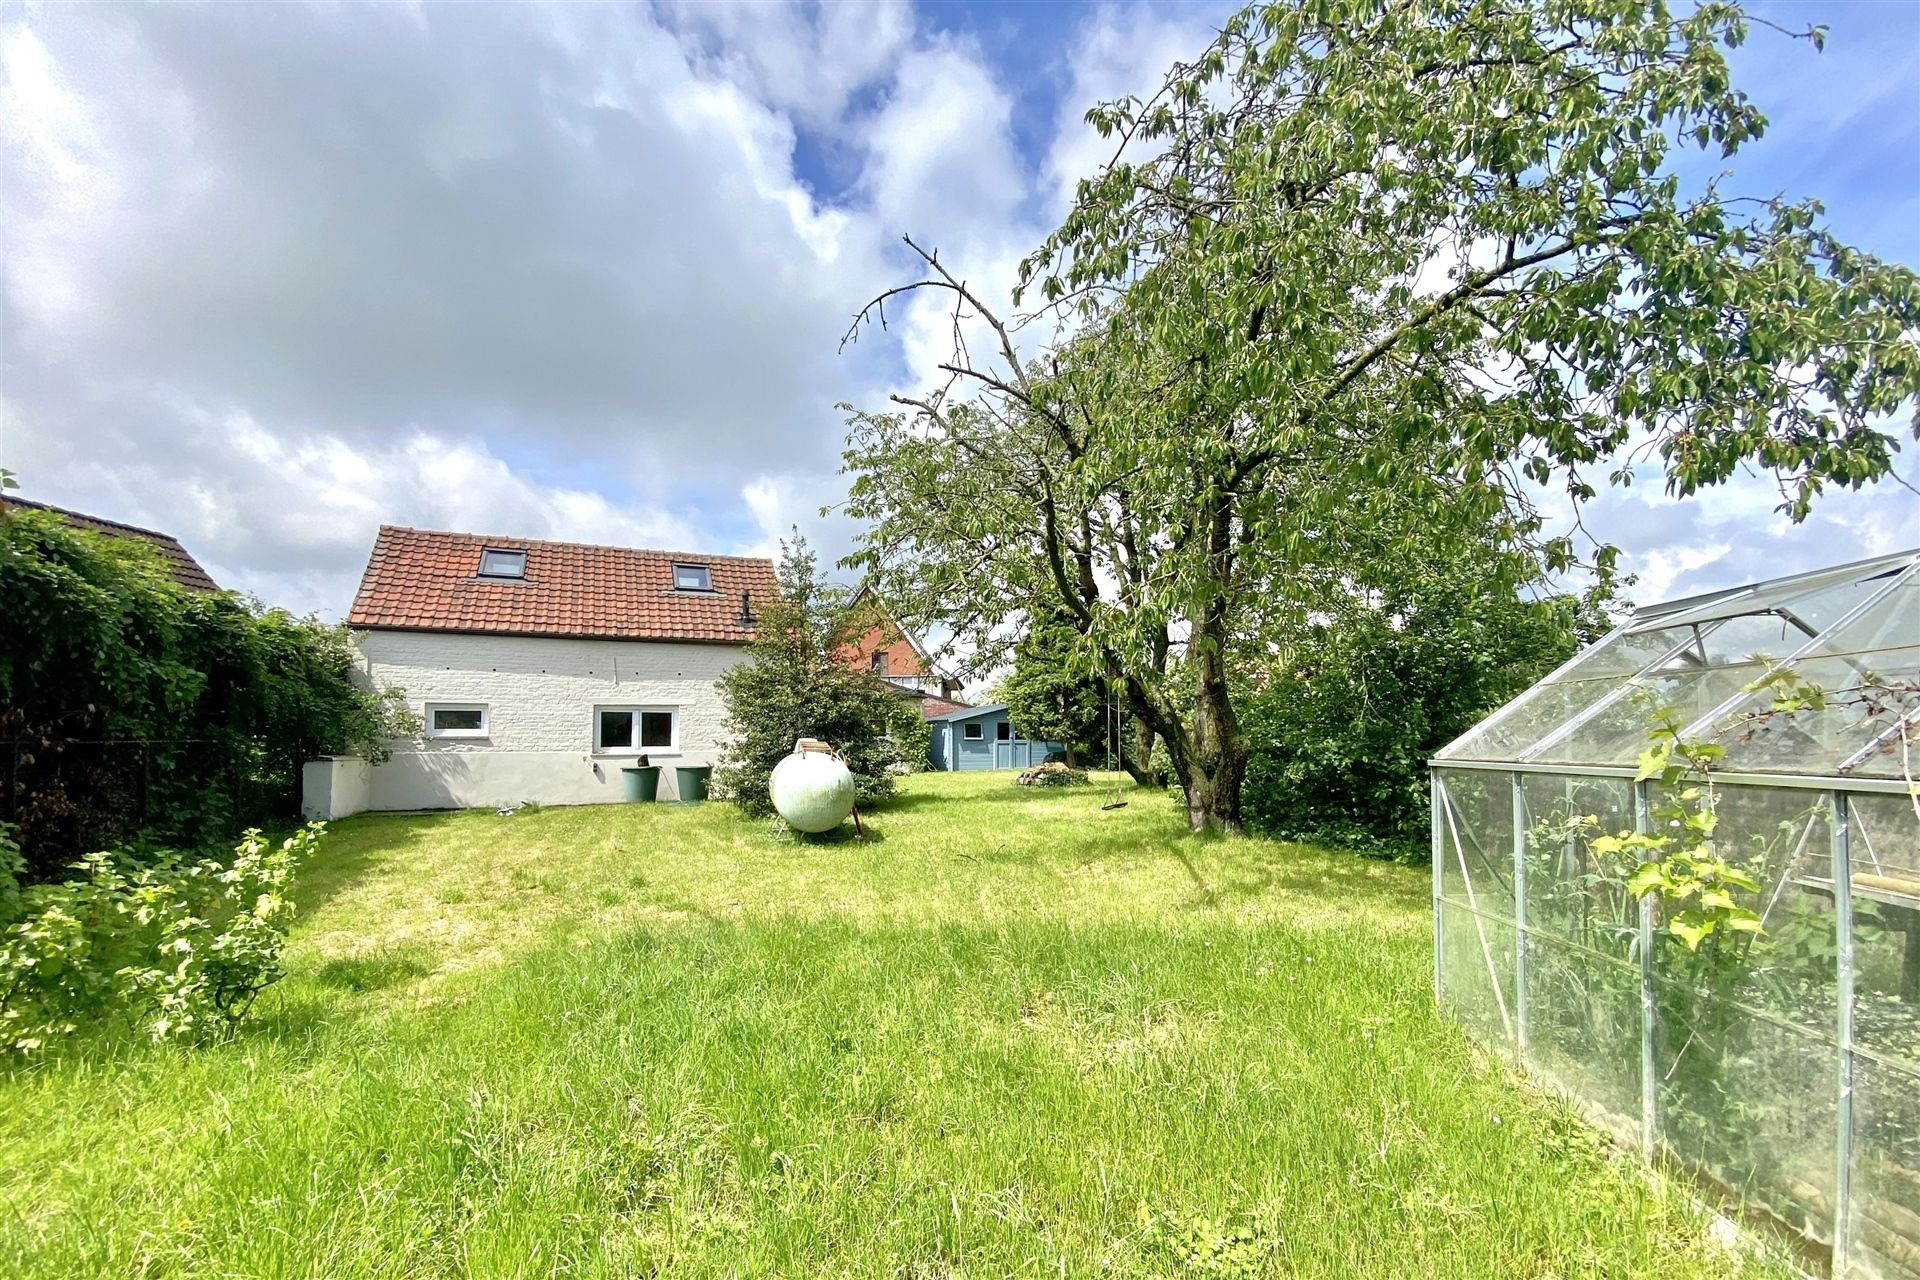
(1342, 729)
(134, 712)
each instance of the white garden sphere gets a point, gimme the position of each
(812, 790)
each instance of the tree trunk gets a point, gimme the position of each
(1137, 757)
(1216, 755)
(1215, 750)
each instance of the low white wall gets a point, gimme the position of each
(491, 779)
(335, 787)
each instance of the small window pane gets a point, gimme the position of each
(692, 577)
(457, 719)
(616, 730)
(656, 728)
(973, 731)
(1003, 731)
(503, 564)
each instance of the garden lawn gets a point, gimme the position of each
(1009, 1034)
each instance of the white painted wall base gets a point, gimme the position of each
(335, 788)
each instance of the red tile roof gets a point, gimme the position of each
(422, 580)
(932, 707)
(179, 561)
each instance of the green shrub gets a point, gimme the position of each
(792, 688)
(171, 950)
(134, 712)
(1340, 732)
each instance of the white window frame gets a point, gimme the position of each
(486, 720)
(1003, 731)
(484, 572)
(673, 744)
(705, 572)
(973, 731)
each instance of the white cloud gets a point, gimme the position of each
(805, 59)
(276, 274)
(282, 270)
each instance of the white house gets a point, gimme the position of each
(539, 669)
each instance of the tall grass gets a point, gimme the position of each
(1009, 1035)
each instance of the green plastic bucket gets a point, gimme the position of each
(690, 781)
(643, 783)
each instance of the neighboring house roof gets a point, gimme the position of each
(932, 708)
(968, 713)
(179, 561)
(932, 705)
(425, 580)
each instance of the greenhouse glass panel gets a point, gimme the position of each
(1883, 1218)
(1583, 1029)
(1583, 682)
(1781, 839)
(1477, 836)
(1884, 853)
(1476, 963)
(1754, 1009)
(1868, 671)
(1573, 893)
(1750, 1101)
(1723, 658)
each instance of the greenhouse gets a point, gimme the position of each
(1679, 880)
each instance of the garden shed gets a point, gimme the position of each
(983, 738)
(1710, 940)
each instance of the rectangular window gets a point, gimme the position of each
(880, 663)
(633, 730)
(692, 577)
(456, 720)
(973, 732)
(1003, 731)
(499, 562)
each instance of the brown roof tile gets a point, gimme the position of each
(179, 561)
(423, 580)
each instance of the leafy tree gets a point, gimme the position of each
(137, 712)
(1358, 279)
(1340, 729)
(1053, 699)
(792, 687)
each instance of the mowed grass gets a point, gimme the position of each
(1008, 1035)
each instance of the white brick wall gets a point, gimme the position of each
(540, 695)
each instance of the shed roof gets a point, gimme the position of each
(1853, 630)
(429, 580)
(179, 561)
(968, 713)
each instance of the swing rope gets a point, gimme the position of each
(1113, 800)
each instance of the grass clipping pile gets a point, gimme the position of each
(1053, 774)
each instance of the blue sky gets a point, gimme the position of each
(277, 274)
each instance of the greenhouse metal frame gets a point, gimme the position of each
(1781, 1056)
